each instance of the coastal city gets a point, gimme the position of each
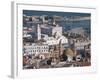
(56, 39)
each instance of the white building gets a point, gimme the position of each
(50, 30)
(52, 34)
(55, 40)
(36, 48)
(57, 29)
(79, 30)
(38, 32)
(26, 30)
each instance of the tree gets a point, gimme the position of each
(68, 51)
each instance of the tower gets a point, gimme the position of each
(54, 22)
(43, 19)
(38, 32)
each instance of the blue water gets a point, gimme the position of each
(52, 13)
(71, 24)
(82, 23)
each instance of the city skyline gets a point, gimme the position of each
(56, 39)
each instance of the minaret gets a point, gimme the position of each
(54, 22)
(38, 32)
(43, 19)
